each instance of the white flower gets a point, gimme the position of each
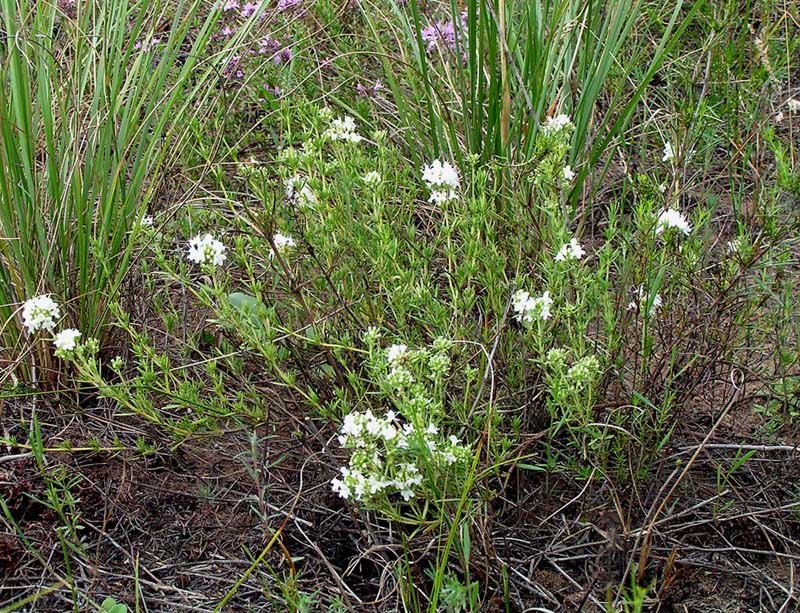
(571, 251)
(670, 218)
(793, 105)
(299, 193)
(40, 312)
(282, 243)
(544, 302)
(669, 152)
(408, 478)
(556, 124)
(343, 129)
(568, 173)
(527, 307)
(439, 197)
(351, 425)
(642, 298)
(205, 249)
(779, 117)
(341, 488)
(442, 181)
(520, 300)
(736, 245)
(372, 178)
(147, 221)
(66, 340)
(448, 457)
(395, 354)
(440, 174)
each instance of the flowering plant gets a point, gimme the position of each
(40, 313)
(442, 181)
(403, 452)
(205, 249)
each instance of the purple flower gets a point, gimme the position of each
(285, 5)
(272, 47)
(147, 44)
(430, 36)
(268, 45)
(369, 91)
(233, 68)
(230, 5)
(445, 35)
(284, 56)
(249, 9)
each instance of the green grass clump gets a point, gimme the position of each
(94, 107)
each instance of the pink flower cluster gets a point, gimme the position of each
(370, 91)
(280, 53)
(234, 68)
(444, 35)
(248, 9)
(285, 5)
(147, 44)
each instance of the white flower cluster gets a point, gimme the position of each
(40, 313)
(527, 308)
(436, 363)
(356, 426)
(282, 244)
(372, 179)
(205, 249)
(570, 251)
(642, 299)
(66, 340)
(399, 377)
(400, 452)
(380, 462)
(358, 485)
(670, 218)
(299, 193)
(442, 181)
(395, 354)
(343, 129)
(555, 124)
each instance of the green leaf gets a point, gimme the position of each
(110, 606)
(242, 301)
